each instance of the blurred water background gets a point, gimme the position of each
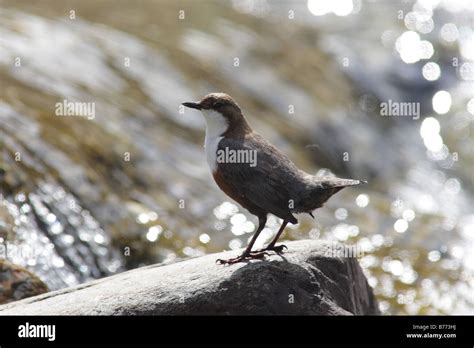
(83, 198)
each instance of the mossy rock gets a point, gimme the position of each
(17, 283)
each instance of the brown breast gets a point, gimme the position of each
(232, 193)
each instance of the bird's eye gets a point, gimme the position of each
(217, 105)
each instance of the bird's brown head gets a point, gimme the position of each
(221, 112)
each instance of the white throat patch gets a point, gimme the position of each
(216, 124)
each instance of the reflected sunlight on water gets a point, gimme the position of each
(73, 204)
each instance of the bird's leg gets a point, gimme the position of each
(278, 249)
(248, 254)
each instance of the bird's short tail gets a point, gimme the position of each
(333, 182)
(322, 189)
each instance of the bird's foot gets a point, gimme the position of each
(252, 255)
(276, 248)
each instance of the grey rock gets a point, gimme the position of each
(306, 280)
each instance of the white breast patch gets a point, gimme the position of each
(216, 125)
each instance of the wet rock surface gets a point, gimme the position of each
(309, 279)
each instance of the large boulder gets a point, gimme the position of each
(307, 280)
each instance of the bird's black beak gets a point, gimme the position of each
(193, 105)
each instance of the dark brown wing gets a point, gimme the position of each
(267, 184)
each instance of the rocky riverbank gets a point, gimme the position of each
(307, 280)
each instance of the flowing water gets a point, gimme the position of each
(128, 185)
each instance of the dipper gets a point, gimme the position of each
(270, 184)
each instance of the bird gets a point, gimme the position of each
(268, 182)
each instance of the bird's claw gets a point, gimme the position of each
(244, 257)
(258, 254)
(276, 248)
(279, 249)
